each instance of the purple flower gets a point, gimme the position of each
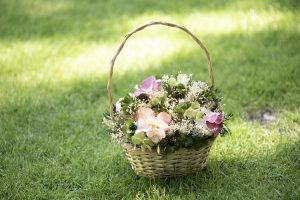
(148, 86)
(213, 121)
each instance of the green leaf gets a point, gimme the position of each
(195, 105)
(189, 113)
(169, 149)
(127, 103)
(178, 91)
(158, 104)
(155, 101)
(148, 143)
(138, 138)
(188, 142)
(172, 82)
(181, 107)
(158, 149)
(194, 112)
(199, 115)
(143, 147)
(129, 127)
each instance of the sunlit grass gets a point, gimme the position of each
(54, 61)
(69, 58)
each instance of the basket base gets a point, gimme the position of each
(182, 162)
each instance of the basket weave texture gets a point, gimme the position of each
(149, 163)
(180, 163)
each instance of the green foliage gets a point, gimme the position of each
(181, 108)
(211, 95)
(129, 127)
(140, 139)
(194, 112)
(179, 91)
(175, 89)
(172, 82)
(225, 129)
(128, 104)
(181, 140)
(158, 104)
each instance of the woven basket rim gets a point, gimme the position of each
(131, 147)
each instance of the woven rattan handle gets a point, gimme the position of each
(109, 84)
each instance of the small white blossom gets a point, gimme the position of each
(187, 127)
(109, 123)
(196, 88)
(165, 78)
(160, 93)
(118, 107)
(181, 101)
(183, 79)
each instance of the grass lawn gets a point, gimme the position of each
(54, 61)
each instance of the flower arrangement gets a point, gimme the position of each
(173, 115)
(167, 114)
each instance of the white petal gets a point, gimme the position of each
(206, 111)
(161, 133)
(118, 107)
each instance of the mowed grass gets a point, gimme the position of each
(54, 61)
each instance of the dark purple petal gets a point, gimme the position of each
(215, 128)
(219, 118)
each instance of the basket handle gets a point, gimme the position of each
(109, 84)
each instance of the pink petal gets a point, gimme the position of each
(161, 124)
(144, 113)
(164, 120)
(148, 83)
(165, 117)
(142, 125)
(157, 85)
(212, 118)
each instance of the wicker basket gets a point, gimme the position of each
(149, 163)
(180, 163)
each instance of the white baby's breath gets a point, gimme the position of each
(196, 88)
(183, 79)
(165, 78)
(187, 127)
